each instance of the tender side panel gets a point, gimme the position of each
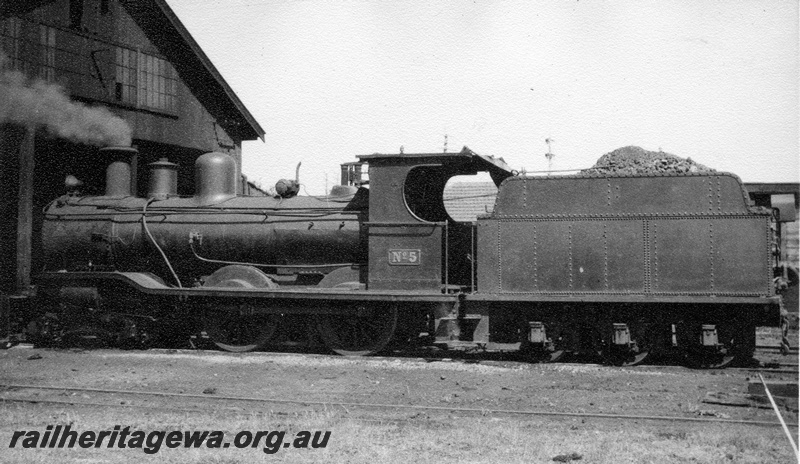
(621, 245)
(588, 261)
(680, 235)
(681, 255)
(488, 256)
(711, 255)
(554, 251)
(742, 255)
(567, 256)
(533, 256)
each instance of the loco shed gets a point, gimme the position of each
(618, 266)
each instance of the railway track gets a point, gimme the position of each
(504, 358)
(773, 349)
(500, 358)
(771, 370)
(5, 389)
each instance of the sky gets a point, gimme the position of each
(716, 81)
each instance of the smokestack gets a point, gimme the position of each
(118, 173)
(38, 103)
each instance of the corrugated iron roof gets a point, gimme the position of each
(464, 201)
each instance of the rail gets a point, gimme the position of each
(404, 224)
(350, 404)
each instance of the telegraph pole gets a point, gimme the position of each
(549, 155)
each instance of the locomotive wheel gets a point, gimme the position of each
(352, 335)
(232, 331)
(239, 276)
(410, 324)
(236, 328)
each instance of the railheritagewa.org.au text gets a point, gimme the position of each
(151, 442)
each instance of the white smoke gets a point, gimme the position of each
(36, 102)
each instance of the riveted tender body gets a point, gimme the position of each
(679, 235)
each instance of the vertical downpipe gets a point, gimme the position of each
(25, 211)
(446, 257)
(472, 257)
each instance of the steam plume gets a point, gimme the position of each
(36, 102)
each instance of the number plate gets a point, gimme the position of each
(405, 257)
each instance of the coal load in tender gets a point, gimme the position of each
(636, 160)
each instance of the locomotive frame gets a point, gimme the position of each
(619, 266)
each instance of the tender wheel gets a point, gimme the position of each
(626, 356)
(352, 335)
(560, 344)
(232, 331)
(633, 354)
(700, 358)
(730, 345)
(544, 355)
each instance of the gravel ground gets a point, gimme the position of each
(487, 387)
(571, 388)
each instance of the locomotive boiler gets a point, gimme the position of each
(214, 239)
(186, 239)
(618, 266)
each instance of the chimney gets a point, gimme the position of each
(118, 173)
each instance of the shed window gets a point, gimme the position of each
(10, 35)
(157, 83)
(125, 86)
(47, 40)
(145, 81)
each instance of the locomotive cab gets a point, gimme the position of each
(413, 243)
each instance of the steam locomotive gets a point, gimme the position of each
(622, 267)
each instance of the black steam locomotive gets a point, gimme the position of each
(617, 266)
